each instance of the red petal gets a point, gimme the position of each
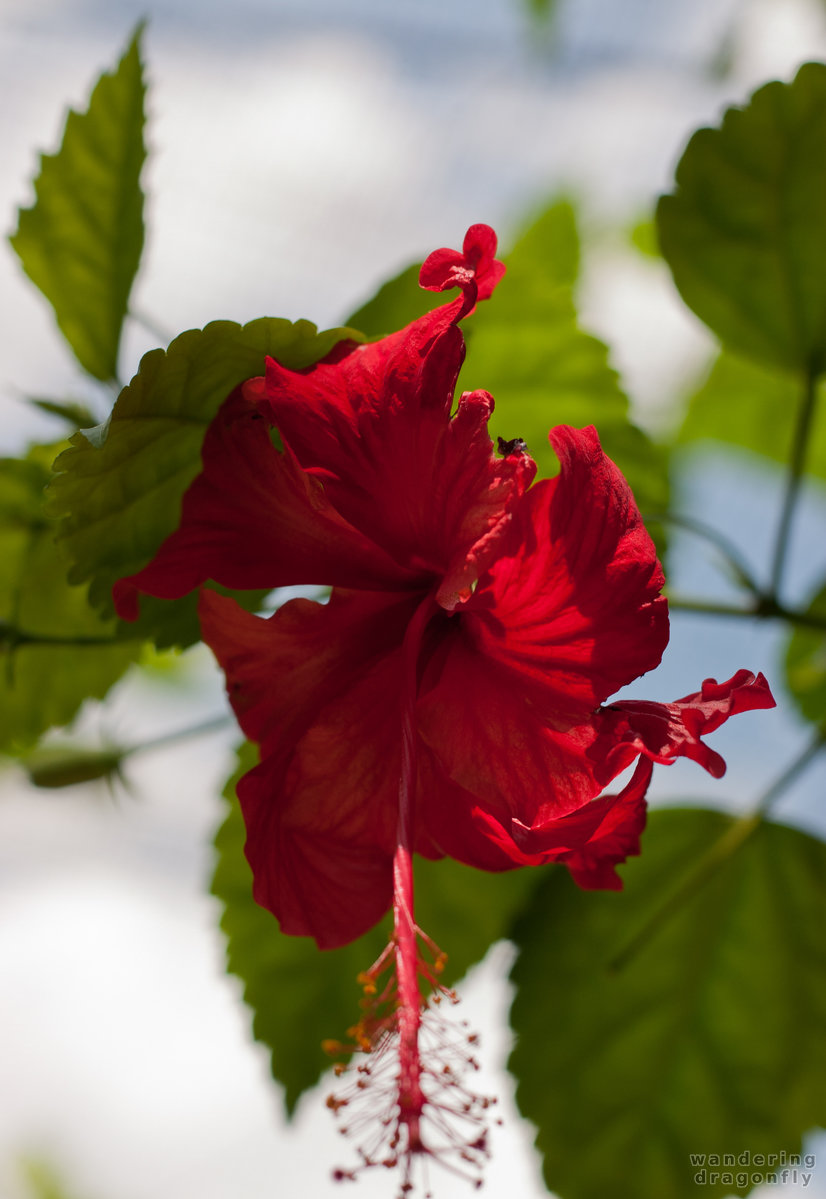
(664, 732)
(254, 519)
(476, 264)
(509, 703)
(318, 687)
(500, 741)
(591, 841)
(441, 268)
(374, 425)
(479, 248)
(576, 611)
(318, 883)
(598, 837)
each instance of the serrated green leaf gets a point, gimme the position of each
(526, 348)
(54, 650)
(300, 995)
(81, 242)
(748, 406)
(806, 664)
(711, 1038)
(119, 488)
(744, 233)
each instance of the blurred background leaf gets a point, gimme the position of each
(81, 242)
(806, 665)
(46, 670)
(711, 1038)
(752, 407)
(643, 237)
(743, 232)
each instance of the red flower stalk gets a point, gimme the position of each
(450, 697)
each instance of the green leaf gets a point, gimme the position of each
(806, 665)
(526, 348)
(54, 650)
(74, 414)
(643, 236)
(748, 406)
(300, 995)
(711, 1038)
(548, 241)
(119, 487)
(81, 241)
(744, 233)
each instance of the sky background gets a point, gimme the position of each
(301, 152)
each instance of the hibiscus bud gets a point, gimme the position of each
(56, 766)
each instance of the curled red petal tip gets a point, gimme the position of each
(665, 732)
(475, 268)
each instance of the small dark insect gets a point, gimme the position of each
(515, 446)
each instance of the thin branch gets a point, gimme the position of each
(781, 784)
(728, 549)
(12, 638)
(794, 479)
(684, 603)
(196, 730)
(152, 326)
(764, 608)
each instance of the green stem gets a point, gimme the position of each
(715, 856)
(764, 608)
(152, 326)
(767, 800)
(794, 479)
(11, 637)
(197, 730)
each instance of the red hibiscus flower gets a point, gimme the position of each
(450, 696)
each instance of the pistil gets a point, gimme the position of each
(399, 1024)
(411, 1098)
